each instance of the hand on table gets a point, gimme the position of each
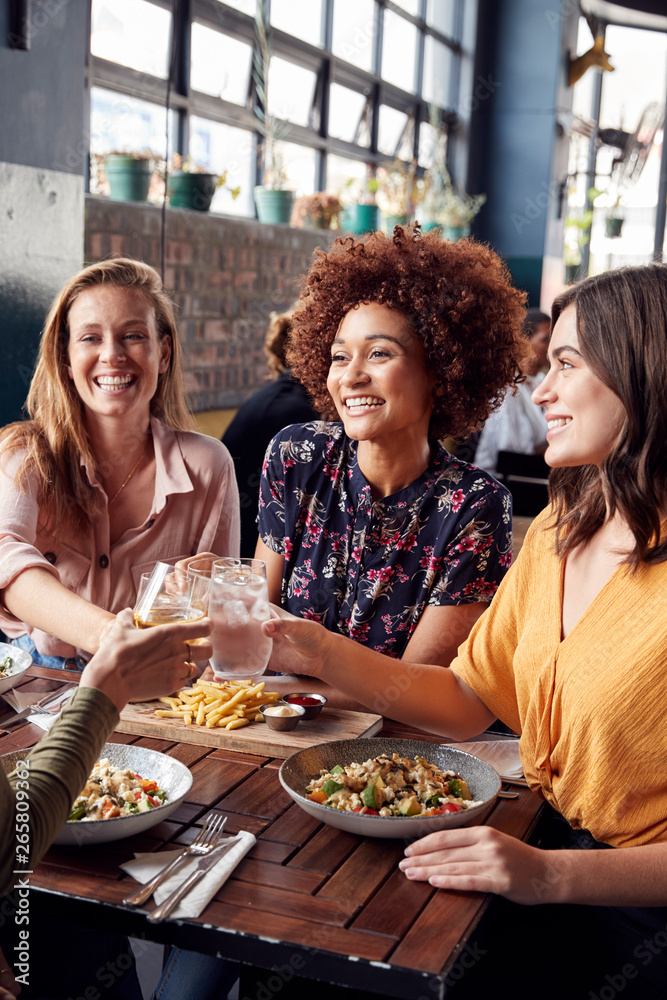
(9, 988)
(479, 859)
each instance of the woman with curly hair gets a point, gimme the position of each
(108, 475)
(366, 523)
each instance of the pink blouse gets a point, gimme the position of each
(195, 509)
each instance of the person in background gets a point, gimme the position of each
(572, 655)
(283, 401)
(129, 664)
(518, 425)
(108, 476)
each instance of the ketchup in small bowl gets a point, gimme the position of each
(311, 703)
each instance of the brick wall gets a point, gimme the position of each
(225, 276)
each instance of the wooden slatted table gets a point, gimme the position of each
(307, 898)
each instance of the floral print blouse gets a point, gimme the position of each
(368, 568)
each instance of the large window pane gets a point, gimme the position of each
(126, 124)
(345, 177)
(436, 85)
(133, 33)
(219, 147)
(391, 124)
(299, 166)
(220, 65)
(399, 51)
(291, 91)
(346, 110)
(353, 29)
(441, 14)
(301, 18)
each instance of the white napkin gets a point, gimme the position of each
(501, 754)
(46, 721)
(146, 866)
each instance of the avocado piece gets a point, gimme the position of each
(459, 788)
(410, 806)
(370, 797)
(331, 786)
(336, 769)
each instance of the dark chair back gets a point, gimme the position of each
(526, 477)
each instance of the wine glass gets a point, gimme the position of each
(238, 604)
(169, 599)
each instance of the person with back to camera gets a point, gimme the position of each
(281, 402)
(572, 654)
(108, 475)
(518, 425)
(129, 663)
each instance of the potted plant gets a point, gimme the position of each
(190, 185)
(320, 210)
(272, 198)
(400, 191)
(447, 209)
(361, 215)
(613, 225)
(126, 174)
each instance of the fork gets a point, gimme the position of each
(204, 843)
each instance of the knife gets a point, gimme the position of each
(204, 865)
(7, 724)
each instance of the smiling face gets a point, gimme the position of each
(114, 353)
(583, 414)
(378, 378)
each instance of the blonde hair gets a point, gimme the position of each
(275, 341)
(55, 438)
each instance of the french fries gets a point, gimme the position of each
(225, 704)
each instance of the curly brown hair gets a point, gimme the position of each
(458, 298)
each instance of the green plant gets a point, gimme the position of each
(362, 191)
(272, 129)
(400, 190)
(442, 202)
(577, 231)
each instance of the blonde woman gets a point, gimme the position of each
(108, 475)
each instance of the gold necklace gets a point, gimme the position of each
(124, 484)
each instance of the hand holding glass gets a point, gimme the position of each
(238, 604)
(172, 602)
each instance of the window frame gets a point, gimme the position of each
(327, 67)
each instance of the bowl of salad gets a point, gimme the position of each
(13, 664)
(390, 787)
(129, 790)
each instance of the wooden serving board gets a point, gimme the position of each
(139, 719)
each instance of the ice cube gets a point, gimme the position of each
(236, 613)
(260, 610)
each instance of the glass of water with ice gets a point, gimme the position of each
(238, 604)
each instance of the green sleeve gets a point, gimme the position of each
(58, 768)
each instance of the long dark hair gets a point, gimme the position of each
(622, 330)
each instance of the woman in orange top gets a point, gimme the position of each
(572, 654)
